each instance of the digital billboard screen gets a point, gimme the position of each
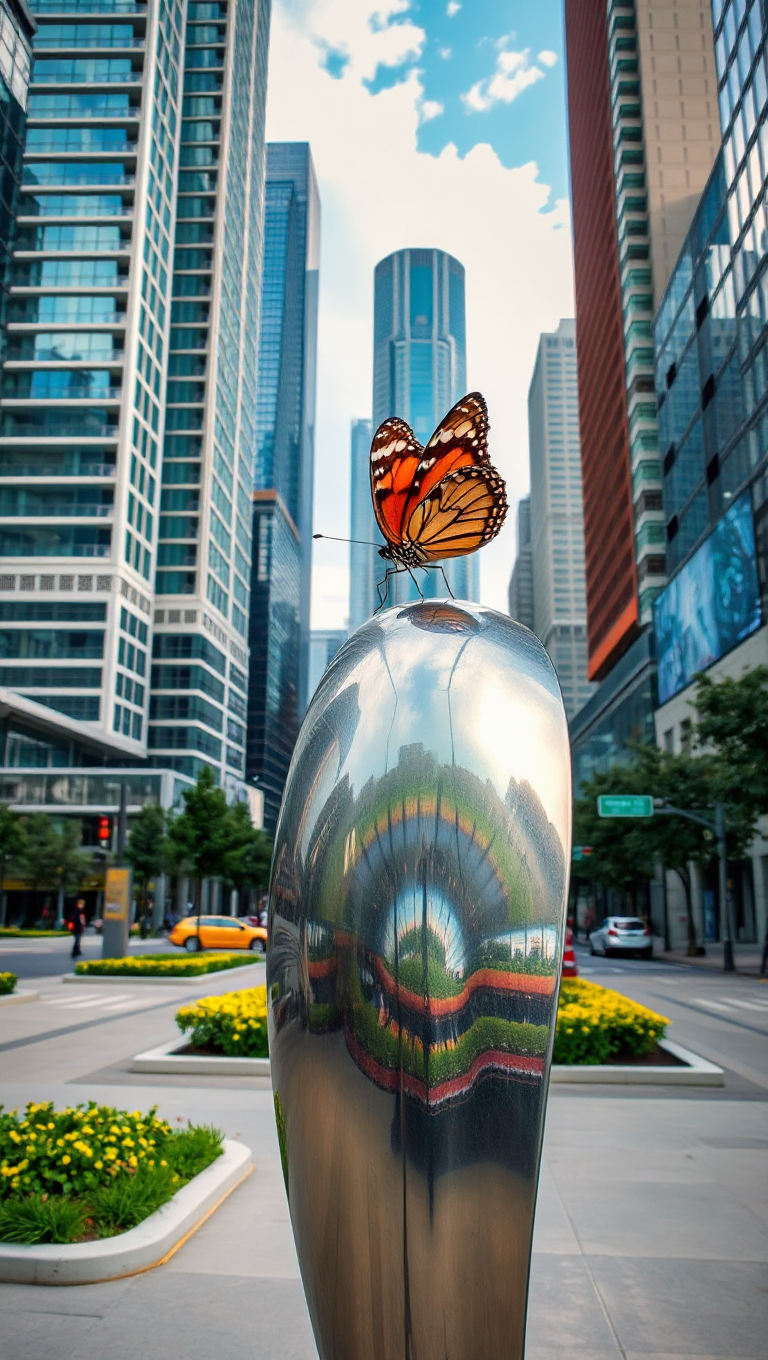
(711, 605)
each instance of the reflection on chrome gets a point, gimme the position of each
(417, 915)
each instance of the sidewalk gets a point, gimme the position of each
(651, 1237)
(746, 957)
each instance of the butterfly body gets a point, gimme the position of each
(444, 500)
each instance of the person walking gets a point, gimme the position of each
(78, 926)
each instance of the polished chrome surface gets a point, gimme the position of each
(416, 933)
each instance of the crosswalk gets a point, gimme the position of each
(107, 1003)
(732, 1004)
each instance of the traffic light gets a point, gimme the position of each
(105, 829)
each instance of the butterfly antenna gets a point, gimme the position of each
(364, 542)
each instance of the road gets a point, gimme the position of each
(52, 957)
(722, 1016)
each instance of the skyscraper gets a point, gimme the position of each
(126, 430)
(364, 560)
(643, 139)
(556, 519)
(283, 469)
(520, 594)
(420, 370)
(16, 29)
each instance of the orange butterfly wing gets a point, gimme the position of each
(459, 515)
(403, 473)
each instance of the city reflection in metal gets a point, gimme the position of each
(416, 934)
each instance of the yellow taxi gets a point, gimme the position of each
(218, 932)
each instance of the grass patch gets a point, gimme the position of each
(17, 933)
(163, 965)
(92, 1171)
(7, 983)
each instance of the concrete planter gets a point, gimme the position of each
(696, 1072)
(118, 979)
(11, 998)
(167, 1058)
(148, 1245)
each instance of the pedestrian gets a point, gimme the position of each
(78, 926)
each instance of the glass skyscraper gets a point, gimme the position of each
(129, 388)
(557, 516)
(420, 371)
(283, 469)
(364, 561)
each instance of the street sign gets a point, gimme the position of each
(625, 805)
(581, 852)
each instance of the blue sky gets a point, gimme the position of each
(462, 49)
(439, 124)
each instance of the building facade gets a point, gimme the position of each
(16, 29)
(420, 371)
(283, 469)
(644, 136)
(324, 643)
(520, 593)
(128, 390)
(557, 525)
(364, 561)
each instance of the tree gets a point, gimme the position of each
(622, 851)
(248, 857)
(733, 723)
(12, 845)
(53, 858)
(200, 836)
(146, 852)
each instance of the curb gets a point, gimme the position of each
(11, 997)
(120, 978)
(150, 1244)
(166, 1058)
(697, 1072)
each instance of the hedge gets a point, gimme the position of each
(7, 983)
(162, 965)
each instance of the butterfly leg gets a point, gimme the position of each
(415, 582)
(439, 567)
(385, 584)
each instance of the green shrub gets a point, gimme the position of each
(7, 983)
(595, 1024)
(234, 1024)
(163, 965)
(91, 1169)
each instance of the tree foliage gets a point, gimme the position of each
(147, 851)
(211, 839)
(52, 856)
(732, 722)
(12, 844)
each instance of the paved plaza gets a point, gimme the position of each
(652, 1225)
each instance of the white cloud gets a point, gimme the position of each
(380, 194)
(547, 58)
(431, 108)
(514, 73)
(452, 8)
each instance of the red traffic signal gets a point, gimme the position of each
(105, 828)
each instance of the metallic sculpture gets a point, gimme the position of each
(416, 931)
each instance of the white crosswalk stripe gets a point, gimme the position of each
(731, 1005)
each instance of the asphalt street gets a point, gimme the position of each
(29, 958)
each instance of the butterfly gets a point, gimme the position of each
(445, 500)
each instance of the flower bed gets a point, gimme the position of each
(91, 1171)
(7, 983)
(596, 1025)
(163, 965)
(18, 933)
(234, 1024)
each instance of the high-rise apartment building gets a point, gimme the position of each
(283, 469)
(16, 29)
(129, 386)
(365, 565)
(557, 526)
(420, 370)
(643, 138)
(324, 643)
(520, 593)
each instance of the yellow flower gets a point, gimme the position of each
(66, 1159)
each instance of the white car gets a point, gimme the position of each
(622, 935)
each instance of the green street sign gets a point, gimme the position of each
(625, 805)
